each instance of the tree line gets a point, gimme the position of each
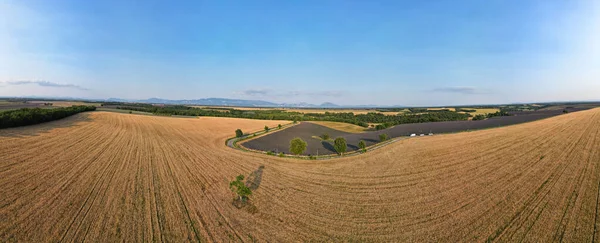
(346, 117)
(31, 116)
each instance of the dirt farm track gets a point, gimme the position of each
(107, 177)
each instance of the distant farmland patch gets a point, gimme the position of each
(64, 103)
(340, 126)
(302, 110)
(439, 109)
(480, 111)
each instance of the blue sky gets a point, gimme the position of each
(346, 52)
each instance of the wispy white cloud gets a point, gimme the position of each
(460, 90)
(45, 84)
(255, 92)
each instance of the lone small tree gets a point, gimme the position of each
(362, 145)
(266, 129)
(339, 144)
(383, 137)
(239, 133)
(325, 136)
(297, 146)
(237, 186)
(279, 126)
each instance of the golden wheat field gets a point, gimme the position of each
(110, 177)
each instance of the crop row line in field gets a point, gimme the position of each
(98, 182)
(534, 197)
(187, 213)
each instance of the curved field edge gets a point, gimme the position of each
(277, 142)
(116, 177)
(238, 143)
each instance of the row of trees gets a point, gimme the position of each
(31, 116)
(347, 117)
(298, 146)
(239, 133)
(490, 115)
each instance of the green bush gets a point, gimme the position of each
(239, 133)
(383, 137)
(237, 186)
(479, 117)
(362, 145)
(270, 153)
(281, 154)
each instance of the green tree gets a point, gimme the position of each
(478, 117)
(297, 146)
(339, 144)
(383, 137)
(237, 186)
(362, 145)
(239, 133)
(266, 129)
(279, 126)
(325, 136)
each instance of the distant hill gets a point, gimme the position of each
(226, 102)
(210, 102)
(329, 105)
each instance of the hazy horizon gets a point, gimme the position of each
(348, 53)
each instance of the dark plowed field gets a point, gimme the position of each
(279, 141)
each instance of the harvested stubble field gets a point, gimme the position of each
(108, 177)
(341, 126)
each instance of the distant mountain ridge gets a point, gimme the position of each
(227, 102)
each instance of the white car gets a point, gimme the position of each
(413, 135)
